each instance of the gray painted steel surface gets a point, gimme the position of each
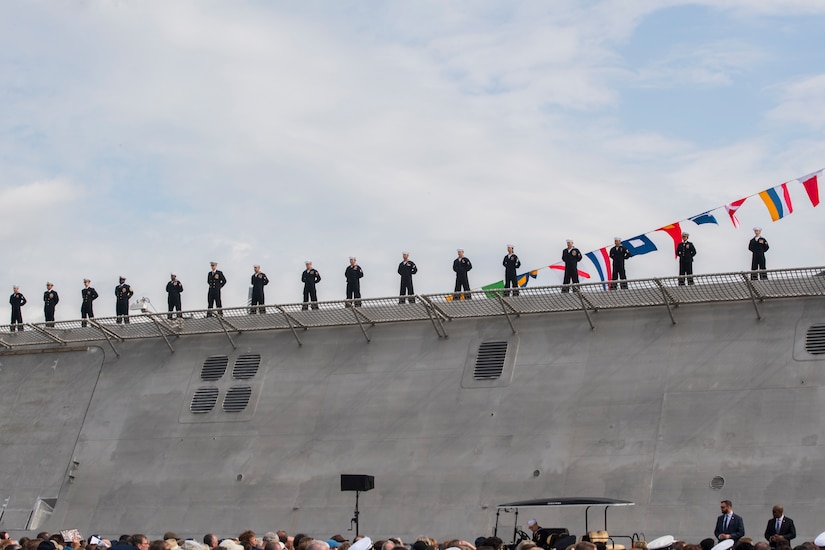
(637, 409)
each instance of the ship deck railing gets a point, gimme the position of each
(438, 309)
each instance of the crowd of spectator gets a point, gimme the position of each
(280, 540)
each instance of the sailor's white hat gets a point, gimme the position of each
(724, 545)
(660, 543)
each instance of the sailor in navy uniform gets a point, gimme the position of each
(511, 263)
(89, 295)
(758, 246)
(259, 281)
(406, 269)
(353, 274)
(685, 252)
(17, 301)
(50, 299)
(619, 254)
(461, 266)
(122, 294)
(173, 290)
(571, 257)
(216, 282)
(310, 277)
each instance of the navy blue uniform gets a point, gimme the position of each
(89, 295)
(511, 263)
(50, 299)
(619, 254)
(758, 246)
(17, 301)
(173, 290)
(461, 266)
(310, 278)
(353, 274)
(259, 281)
(571, 258)
(122, 294)
(216, 282)
(407, 269)
(685, 251)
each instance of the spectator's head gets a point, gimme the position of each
(726, 506)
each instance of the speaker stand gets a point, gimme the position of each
(354, 519)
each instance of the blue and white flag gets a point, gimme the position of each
(705, 217)
(639, 245)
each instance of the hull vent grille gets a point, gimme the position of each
(246, 366)
(490, 360)
(237, 398)
(815, 340)
(204, 400)
(214, 367)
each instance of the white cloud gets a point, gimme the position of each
(272, 133)
(801, 102)
(35, 207)
(707, 65)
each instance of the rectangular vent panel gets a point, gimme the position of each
(237, 398)
(490, 360)
(809, 339)
(815, 340)
(214, 367)
(246, 366)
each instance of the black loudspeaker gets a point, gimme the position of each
(352, 482)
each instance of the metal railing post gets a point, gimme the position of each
(753, 293)
(578, 291)
(666, 299)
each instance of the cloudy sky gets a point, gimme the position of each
(139, 138)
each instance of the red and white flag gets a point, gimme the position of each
(811, 185)
(732, 208)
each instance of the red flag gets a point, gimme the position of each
(812, 188)
(732, 208)
(675, 233)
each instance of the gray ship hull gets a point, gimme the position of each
(674, 417)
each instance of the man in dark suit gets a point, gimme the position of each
(406, 269)
(779, 527)
(89, 295)
(619, 254)
(50, 299)
(216, 282)
(685, 251)
(758, 246)
(571, 256)
(729, 525)
(122, 294)
(511, 263)
(259, 281)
